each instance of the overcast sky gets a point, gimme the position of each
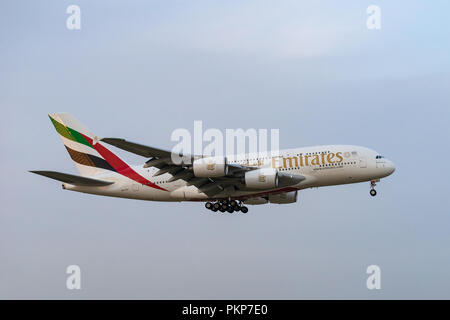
(311, 69)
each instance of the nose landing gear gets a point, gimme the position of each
(226, 206)
(373, 192)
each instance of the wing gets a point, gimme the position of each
(72, 179)
(162, 159)
(136, 148)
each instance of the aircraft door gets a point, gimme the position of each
(362, 162)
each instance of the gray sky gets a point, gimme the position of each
(311, 69)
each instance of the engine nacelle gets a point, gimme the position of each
(264, 178)
(210, 167)
(285, 197)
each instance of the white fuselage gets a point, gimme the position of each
(320, 165)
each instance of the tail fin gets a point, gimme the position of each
(81, 145)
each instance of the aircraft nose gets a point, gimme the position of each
(390, 166)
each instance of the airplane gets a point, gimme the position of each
(225, 184)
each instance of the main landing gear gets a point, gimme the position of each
(226, 206)
(373, 192)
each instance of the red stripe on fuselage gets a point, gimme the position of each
(120, 166)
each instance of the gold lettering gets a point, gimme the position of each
(323, 157)
(330, 156)
(290, 161)
(275, 163)
(306, 160)
(339, 155)
(316, 160)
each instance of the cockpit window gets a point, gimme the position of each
(379, 157)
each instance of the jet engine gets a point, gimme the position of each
(210, 167)
(285, 197)
(264, 178)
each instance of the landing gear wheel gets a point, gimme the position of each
(237, 208)
(373, 192)
(214, 209)
(244, 209)
(208, 205)
(230, 209)
(224, 206)
(221, 209)
(216, 206)
(233, 203)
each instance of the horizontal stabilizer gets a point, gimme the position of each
(72, 179)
